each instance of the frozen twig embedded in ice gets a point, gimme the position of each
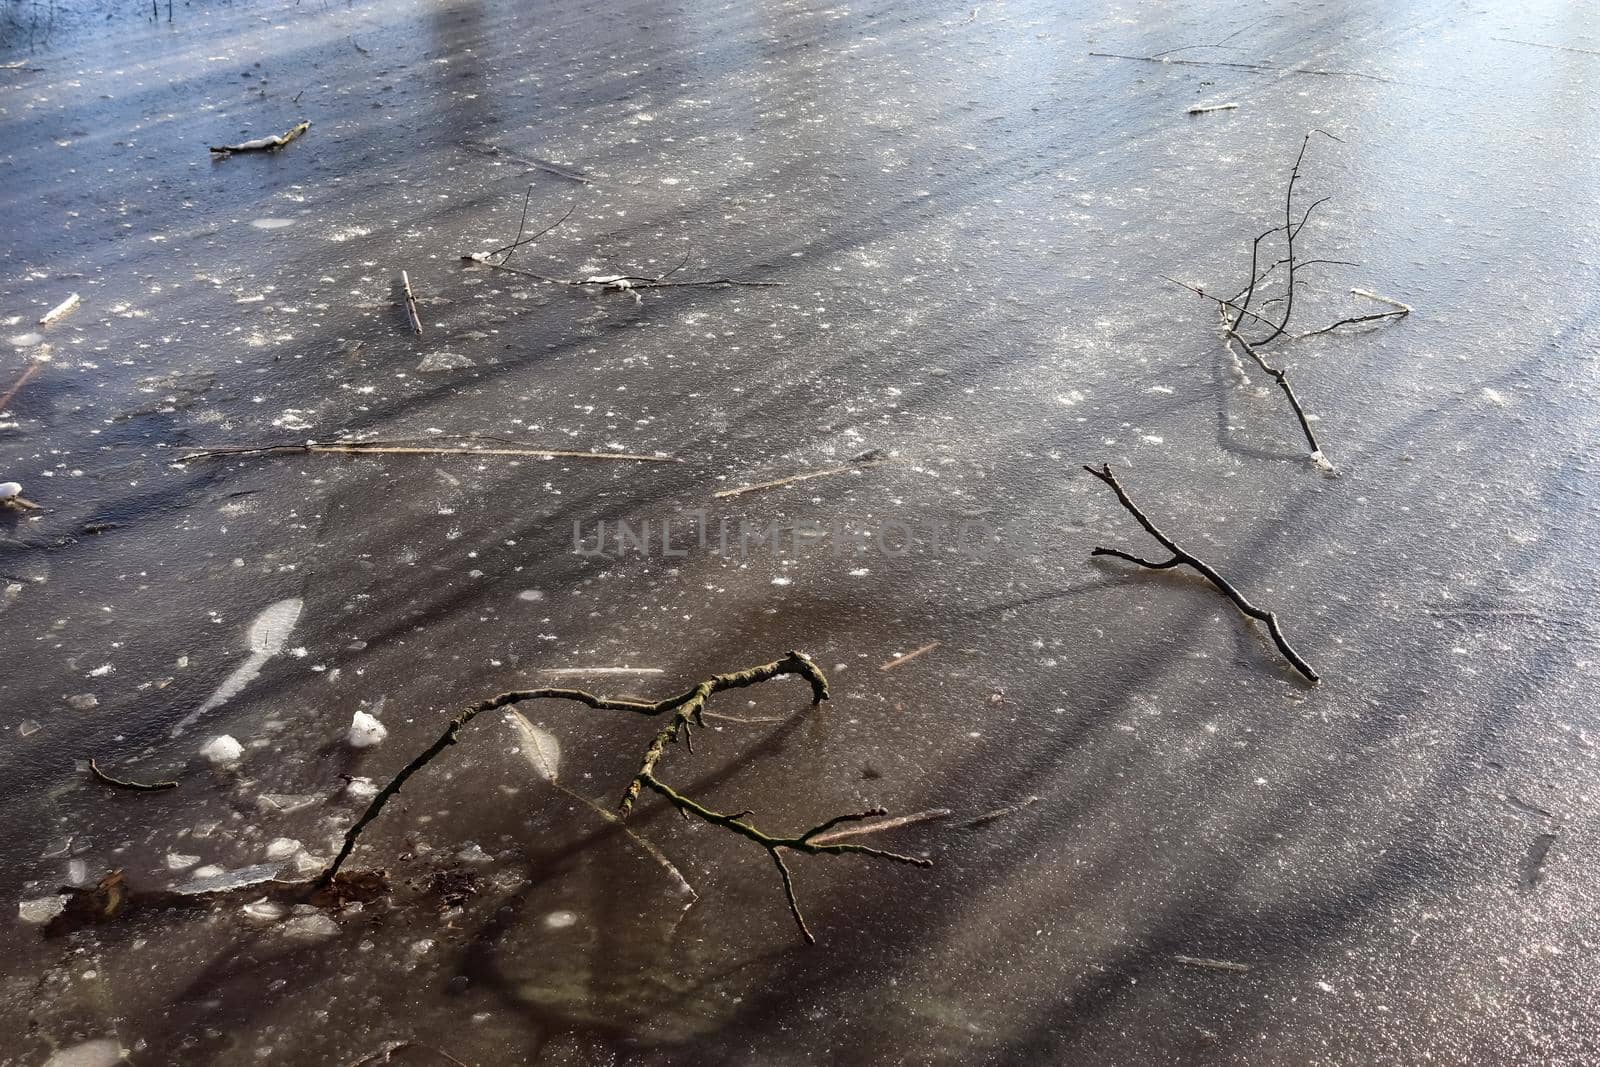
(263, 144)
(123, 783)
(377, 448)
(620, 283)
(61, 310)
(793, 478)
(1206, 109)
(1182, 558)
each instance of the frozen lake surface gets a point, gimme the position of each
(1199, 858)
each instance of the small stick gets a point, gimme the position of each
(1213, 965)
(411, 304)
(909, 656)
(1248, 66)
(600, 670)
(263, 144)
(61, 310)
(33, 368)
(1381, 299)
(1000, 813)
(139, 787)
(721, 494)
(1281, 376)
(1552, 47)
(1206, 571)
(410, 450)
(1206, 109)
(931, 815)
(617, 282)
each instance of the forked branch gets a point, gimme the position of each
(686, 710)
(1182, 558)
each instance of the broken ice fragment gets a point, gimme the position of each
(314, 927)
(40, 909)
(101, 1052)
(284, 803)
(264, 909)
(206, 882)
(177, 861)
(27, 727)
(83, 702)
(282, 848)
(10, 490)
(361, 789)
(365, 731)
(222, 751)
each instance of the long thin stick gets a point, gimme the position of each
(411, 304)
(908, 657)
(1180, 557)
(263, 144)
(1248, 66)
(793, 478)
(120, 783)
(61, 310)
(33, 368)
(412, 450)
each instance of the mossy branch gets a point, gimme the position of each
(1183, 558)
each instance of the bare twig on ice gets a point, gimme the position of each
(1206, 963)
(1206, 109)
(121, 783)
(793, 478)
(356, 448)
(1247, 66)
(997, 814)
(1182, 558)
(605, 282)
(1236, 314)
(411, 304)
(263, 144)
(61, 310)
(897, 661)
(686, 710)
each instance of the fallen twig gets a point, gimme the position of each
(16, 387)
(411, 305)
(1235, 312)
(1248, 66)
(793, 478)
(263, 144)
(686, 709)
(61, 310)
(1552, 47)
(483, 148)
(1180, 557)
(1000, 813)
(357, 448)
(1206, 109)
(882, 825)
(908, 657)
(120, 783)
(1213, 965)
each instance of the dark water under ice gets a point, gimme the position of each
(969, 214)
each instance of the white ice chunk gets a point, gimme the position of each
(365, 731)
(281, 848)
(315, 927)
(101, 1052)
(222, 751)
(10, 490)
(40, 909)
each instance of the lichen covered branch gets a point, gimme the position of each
(1181, 557)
